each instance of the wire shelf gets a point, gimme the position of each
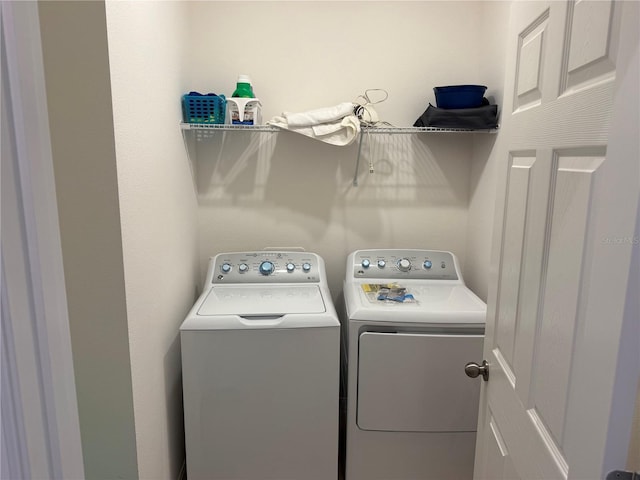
(371, 130)
(225, 127)
(386, 130)
(408, 130)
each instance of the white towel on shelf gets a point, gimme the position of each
(318, 116)
(334, 125)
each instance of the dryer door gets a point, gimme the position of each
(416, 382)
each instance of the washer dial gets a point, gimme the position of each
(266, 268)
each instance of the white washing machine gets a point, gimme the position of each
(260, 367)
(412, 326)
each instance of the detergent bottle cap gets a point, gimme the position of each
(243, 87)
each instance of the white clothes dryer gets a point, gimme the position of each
(412, 326)
(260, 366)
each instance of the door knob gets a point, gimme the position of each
(472, 369)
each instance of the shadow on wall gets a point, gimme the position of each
(175, 412)
(409, 170)
(282, 189)
(251, 169)
(483, 151)
(230, 167)
(287, 169)
(303, 175)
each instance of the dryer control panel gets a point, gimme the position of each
(266, 267)
(404, 264)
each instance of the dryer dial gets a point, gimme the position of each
(404, 265)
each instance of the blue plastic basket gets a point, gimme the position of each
(203, 108)
(459, 96)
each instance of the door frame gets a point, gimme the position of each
(37, 356)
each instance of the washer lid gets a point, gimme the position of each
(448, 304)
(262, 300)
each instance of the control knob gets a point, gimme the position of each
(306, 266)
(290, 267)
(226, 268)
(366, 263)
(381, 263)
(427, 264)
(404, 265)
(243, 268)
(266, 268)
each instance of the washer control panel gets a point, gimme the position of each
(404, 264)
(266, 267)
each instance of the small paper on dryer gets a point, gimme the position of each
(387, 292)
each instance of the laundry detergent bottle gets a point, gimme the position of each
(243, 87)
(243, 106)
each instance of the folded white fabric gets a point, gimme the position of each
(327, 128)
(336, 125)
(318, 116)
(341, 132)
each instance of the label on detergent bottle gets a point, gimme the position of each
(248, 115)
(243, 111)
(235, 114)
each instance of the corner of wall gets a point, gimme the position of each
(494, 29)
(158, 213)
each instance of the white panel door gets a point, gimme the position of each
(565, 234)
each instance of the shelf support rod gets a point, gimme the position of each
(355, 176)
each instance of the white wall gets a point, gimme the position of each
(293, 191)
(158, 213)
(74, 43)
(494, 24)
